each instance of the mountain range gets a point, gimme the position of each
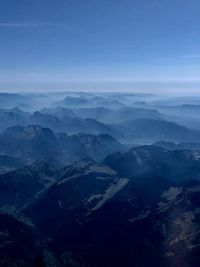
(176, 165)
(87, 214)
(34, 143)
(99, 180)
(129, 125)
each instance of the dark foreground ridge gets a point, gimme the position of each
(88, 214)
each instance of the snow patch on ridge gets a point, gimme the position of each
(110, 192)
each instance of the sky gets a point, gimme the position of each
(99, 44)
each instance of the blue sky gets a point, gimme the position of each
(90, 43)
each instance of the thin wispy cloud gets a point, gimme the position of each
(179, 58)
(41, 26)
(34, 24)
(32, 74)
(19, 24)
(197, 56)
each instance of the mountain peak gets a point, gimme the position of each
(79, 165)
(40, 165)
(30, 130)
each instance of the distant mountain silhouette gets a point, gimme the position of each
(148, 130)
(34, 142)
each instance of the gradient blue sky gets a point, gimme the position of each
(113, 44)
